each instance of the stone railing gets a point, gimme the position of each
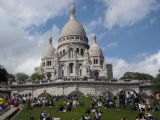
(4, 88)
(79, 80)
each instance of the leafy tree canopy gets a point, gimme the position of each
(156, 84)
(36, 76)
(136, 75)
(21, 76)
(11, 77)
(3, 74)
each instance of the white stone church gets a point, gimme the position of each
(75, 66)
(74, 58)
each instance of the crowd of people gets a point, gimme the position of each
(146, 116)
(95, 108)
(125, 98)
(16, 100)
(135, 101)
(39, 102)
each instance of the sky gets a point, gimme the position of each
(128, 31)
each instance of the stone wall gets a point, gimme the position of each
(65, 88)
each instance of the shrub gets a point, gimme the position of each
(81, 103)
(154, 103)
(31, 118)
(28, 105)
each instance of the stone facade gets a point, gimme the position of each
(74, 57)
(65, 88)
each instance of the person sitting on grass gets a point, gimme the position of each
(140, 116)
(61, 108)
(84, 118)
(97, 115)
(123, 118)
(69, 108)
(141, 107)
(75, 103)
(45, 116)
(88, 110)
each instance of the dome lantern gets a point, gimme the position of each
(94, 38)
(49, 51)
(50, 40)
(72, 12)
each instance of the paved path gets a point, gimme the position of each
(9, 112)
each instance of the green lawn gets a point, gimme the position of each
(111, 114)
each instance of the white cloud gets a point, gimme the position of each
(127, 12)
(26, 13)
(20, 50)
(91, 29)
(112, 44)
(93, 24)
(28, 65)
(150, 64)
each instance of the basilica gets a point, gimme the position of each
(74, 58)
(75, 67)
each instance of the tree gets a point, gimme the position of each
(36, 76)
(136, 75)
(156, 84)
(3, 74)
(21, 76)
(11, 77)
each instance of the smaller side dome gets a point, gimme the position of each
(95, 50)
(49, 51)
(56, 55)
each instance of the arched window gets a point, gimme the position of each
(95, 61)
(71, 53)
(48, 63)
(62, 70)
(60, 52)
(71, 68)
(81, 51)
(80, 72)
(80, 69)
(63, 51)
(62, 73)
(77, 50)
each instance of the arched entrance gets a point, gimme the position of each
(76, 93)
(44, 95)
(49, 75)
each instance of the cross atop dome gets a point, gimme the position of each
(50, 39)
(72, 12)
(94, 38)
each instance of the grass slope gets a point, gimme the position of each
(111, 114)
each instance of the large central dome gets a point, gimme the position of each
(72, 27)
